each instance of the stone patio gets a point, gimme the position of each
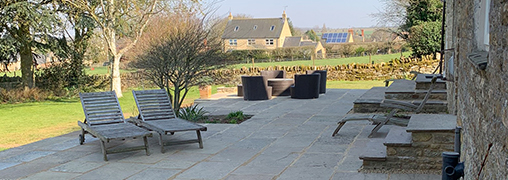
(286, 139)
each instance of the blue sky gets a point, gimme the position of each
(307, 13)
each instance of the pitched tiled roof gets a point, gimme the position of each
(293, 41)
(253, 28)
(296, 41)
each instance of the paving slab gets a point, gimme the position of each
(51, 175)
(286, 139)
(432, 123)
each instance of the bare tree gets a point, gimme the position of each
(124, 21)
(118, 20)
(393, 13)
(181, 57)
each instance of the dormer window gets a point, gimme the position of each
(255, 27)
(272, 28)
(236, 28)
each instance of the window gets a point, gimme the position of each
(272, 28)
(255, 27)
(232, 42)
(482, 25)
(251, 41)
(269, 42)
(236, 28)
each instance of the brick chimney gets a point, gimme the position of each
(230, 17)
(284, 16)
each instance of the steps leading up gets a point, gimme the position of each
(415, 147)
(403, 89)
(424, 123)
(375, 151)
(398, 137)
(423, 82)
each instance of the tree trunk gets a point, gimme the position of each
(27, 73)
(116, 81)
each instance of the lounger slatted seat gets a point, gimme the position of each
(156, 113)
(379, 119)
(104, 120)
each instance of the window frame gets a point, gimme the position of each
(233, 42)
(251, 41)
(483, 25)
(269, 42)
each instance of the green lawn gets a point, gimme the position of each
(353, 84)
(104, 70)
(29, 122)
(329, 62)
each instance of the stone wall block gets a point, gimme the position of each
(443, 138)
(421, 144)
(390, 151)
(421, 137)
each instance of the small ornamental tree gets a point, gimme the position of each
(182, 56)
(425, 39)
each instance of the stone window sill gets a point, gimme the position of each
(479, 59)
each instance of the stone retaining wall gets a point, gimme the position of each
(424, 154)
(396, 69)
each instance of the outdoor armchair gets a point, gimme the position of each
(256, 88)
(306, 86)
(322, 79)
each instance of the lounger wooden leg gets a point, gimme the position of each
(161, 143)
(199, 139)
(145, 139)
(104, 151)
(376, 128)
(340, 124)
(82, 137)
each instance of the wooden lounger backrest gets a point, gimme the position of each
(153, 105)
(101, 108)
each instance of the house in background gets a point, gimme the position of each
(335, 38)
(297, 41)
(259, 33)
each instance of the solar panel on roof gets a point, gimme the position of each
(335, 37)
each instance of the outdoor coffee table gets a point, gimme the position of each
(280, 87)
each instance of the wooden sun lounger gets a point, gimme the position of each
(379, 119)
(104, 120)
(156, 113)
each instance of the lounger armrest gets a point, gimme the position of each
(135, 120)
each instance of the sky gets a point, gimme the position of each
(307, 13)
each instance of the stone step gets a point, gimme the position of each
(371, 100)
(375, 150)
(398, 137)
(419, 123)
(423, 82)
(405, 89)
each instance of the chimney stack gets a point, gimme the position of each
(284, 16)
(230, 17)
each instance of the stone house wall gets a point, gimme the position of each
(481, 95)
